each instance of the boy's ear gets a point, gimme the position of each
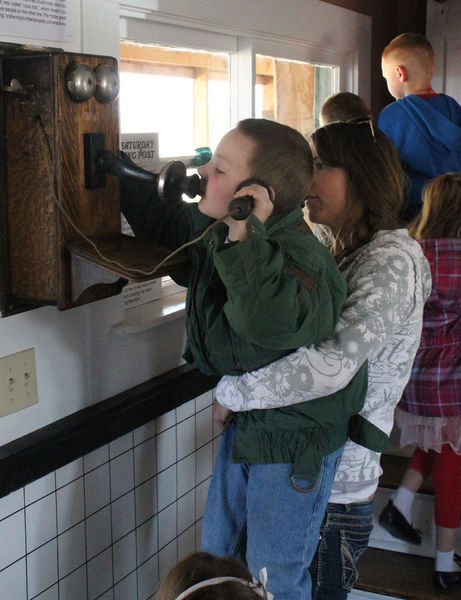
(402, 73)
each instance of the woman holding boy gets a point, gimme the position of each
(355, 195)
(258, 289)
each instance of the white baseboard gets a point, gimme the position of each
(361, 595)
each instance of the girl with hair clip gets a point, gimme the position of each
(203, 576)
(429, 414)
(355, 197)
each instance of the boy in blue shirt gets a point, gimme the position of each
(424, 126)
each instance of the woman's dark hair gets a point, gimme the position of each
(200, 566)
(375, 180)
(440, 215)
(282, 159)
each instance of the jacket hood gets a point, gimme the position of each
(441, 132)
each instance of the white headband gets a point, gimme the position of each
(258, 586)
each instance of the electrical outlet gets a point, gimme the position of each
(18, 382)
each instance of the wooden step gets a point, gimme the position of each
(393, 469)
(397, 574)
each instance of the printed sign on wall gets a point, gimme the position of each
(39, 19)
(141, 148)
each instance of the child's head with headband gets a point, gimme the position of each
(203, 576)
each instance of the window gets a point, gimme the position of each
(192, 96)
(181, 94)
(291, 92)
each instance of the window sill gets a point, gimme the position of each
(152, 314)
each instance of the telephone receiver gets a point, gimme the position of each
(242, 207)
(171, 182)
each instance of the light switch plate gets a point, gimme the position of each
(18, 381)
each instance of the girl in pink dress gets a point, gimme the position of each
(429, 414)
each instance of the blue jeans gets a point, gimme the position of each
(345, 533)
(257, 513)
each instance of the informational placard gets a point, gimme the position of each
(39, 19)
(142, 148)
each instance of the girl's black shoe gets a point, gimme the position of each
(446, 581)
(395, 523)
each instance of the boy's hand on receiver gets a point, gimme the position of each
(262, 209)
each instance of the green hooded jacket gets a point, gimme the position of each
(250, 303)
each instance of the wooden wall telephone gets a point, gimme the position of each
(50, 102)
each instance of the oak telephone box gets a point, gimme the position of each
(61, 240)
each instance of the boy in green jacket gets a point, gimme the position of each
(258, 289)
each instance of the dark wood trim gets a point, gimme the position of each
(389, 18)
(35, 455)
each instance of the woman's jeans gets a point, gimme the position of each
(256, 513)
(344, 537)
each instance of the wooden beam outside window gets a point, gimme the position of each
(201, 127)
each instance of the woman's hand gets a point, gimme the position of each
(220, 414)
(262, 209)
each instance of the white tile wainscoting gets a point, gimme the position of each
(110, 524)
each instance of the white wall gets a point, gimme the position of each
(444, 32)
(80, 359)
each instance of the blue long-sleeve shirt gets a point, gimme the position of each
(426, 131)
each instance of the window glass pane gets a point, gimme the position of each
(323, 89)
(152, 103)
(183, 95)
(289, 91)
(218, 111)
(259, 100)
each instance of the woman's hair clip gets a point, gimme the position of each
(259, 587)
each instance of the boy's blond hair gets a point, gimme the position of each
(343, 106)
(410, 48)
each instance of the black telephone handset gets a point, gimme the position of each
(242, 207)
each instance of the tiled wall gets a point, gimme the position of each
(109, 525)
